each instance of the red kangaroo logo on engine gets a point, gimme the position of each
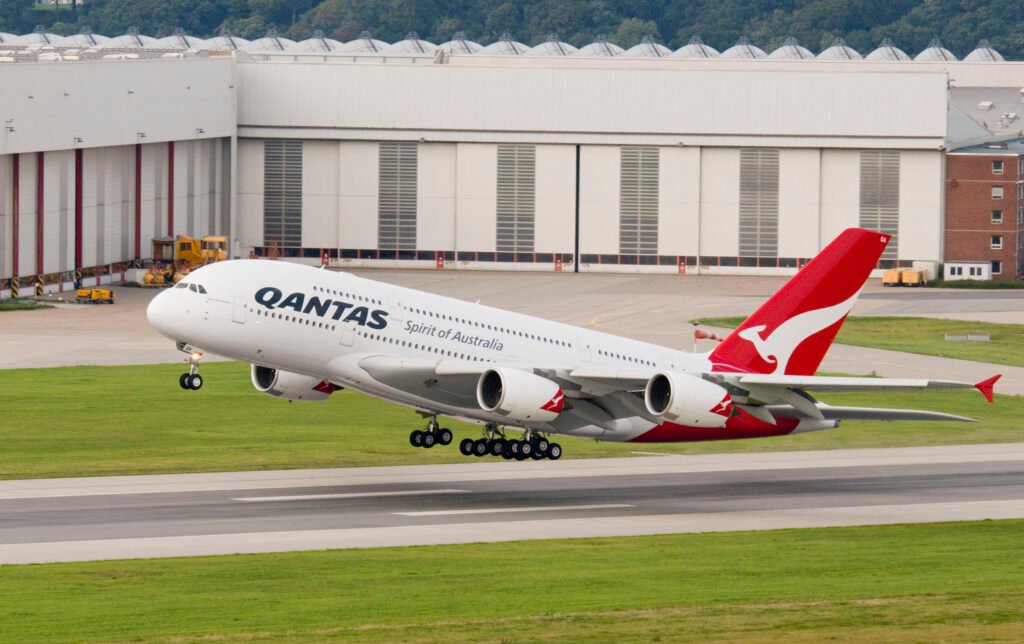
(555, 404)
(724, 407)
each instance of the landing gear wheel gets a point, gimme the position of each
(466, 447)
(429, 439)
(542, 445)
(554, 451)
(507, 453)
(183, 381)
(497, 447)
(195, 382)
(444, 436)
(513, 447)
(526, 449)
(537, 455)
(416, 438)
(480, 447)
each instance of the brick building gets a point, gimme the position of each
(985, 211)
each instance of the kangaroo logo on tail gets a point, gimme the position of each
(779, 346)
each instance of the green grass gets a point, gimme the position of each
(926, 336)
(931, 582)
(23, 305)
(88, 421)
(986, 284)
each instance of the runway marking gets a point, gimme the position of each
(539, 508)
(348, 495)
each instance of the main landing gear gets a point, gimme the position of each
(434, 434)
(191, 379)
(534, 446)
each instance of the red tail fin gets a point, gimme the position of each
(791, 332)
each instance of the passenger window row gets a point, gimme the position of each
(490, 327)
(421, 347)
(293, 318)
(351, 296)
(619, 356)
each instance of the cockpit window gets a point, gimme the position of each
(192, 287)
(202, 290)
(181, 285)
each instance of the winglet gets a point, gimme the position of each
(985, 386)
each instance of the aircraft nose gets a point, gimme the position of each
(160, 314)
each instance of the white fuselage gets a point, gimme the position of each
(320, 323)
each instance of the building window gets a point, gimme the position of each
(997, 267)
(396, 201)
(997, 192)
(880, 195)
(517, 171)
(997, 242)
(997, 216)
(638, 200)
(974, 271)
(997, 167)
(282, 193)
(759, 203)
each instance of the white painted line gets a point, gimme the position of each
(539, 508)
(657, 454)
(347, 495)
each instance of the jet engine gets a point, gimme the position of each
(519, 395)
(687, 400)
(290, 386)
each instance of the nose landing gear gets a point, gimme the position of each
(191, 379)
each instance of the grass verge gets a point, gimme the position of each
(926, 336)
(91, 421)
(23, 305)
(928, 582)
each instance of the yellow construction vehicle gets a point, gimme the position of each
(94, 295)
(192, 251)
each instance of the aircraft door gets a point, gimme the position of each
(395, 304)
(348, 334)
(584, 349)
(239, 310)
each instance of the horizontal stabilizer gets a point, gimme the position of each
(867, 413)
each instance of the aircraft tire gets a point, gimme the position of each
(466, 447)
(429, 439)
(195, 382)
(542, 445)
(526, 449)
(444, 436)
(416, 438)
(555, 451)
(183, 381)
(480, 447)
(497, 447)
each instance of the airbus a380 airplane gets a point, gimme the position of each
(309, 331)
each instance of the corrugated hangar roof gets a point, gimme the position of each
(791, 50)
(743, 49)
(504, 46)
(647, 49)
(839, 50)
(887, 51)
(984, 53)
(412, 44)
(695, 49)
(552, 47)
(459, 45)
(935, 52)
(600, 47)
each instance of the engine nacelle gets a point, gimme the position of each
(290, 386)
(519, 395)
(687, 400)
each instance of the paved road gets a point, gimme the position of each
(194, 514)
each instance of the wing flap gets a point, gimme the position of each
(867, 413)
(847, 383)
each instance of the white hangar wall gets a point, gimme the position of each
(113, 154)
(695, 207)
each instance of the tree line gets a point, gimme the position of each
(959, 24)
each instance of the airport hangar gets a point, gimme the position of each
(416, 157)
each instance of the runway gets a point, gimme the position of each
(491, 501)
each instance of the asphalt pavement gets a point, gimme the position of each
(199, 514)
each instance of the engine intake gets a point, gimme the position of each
(290, 386)
(687, 400)
(519, 395)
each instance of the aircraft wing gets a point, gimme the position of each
(449, 382)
